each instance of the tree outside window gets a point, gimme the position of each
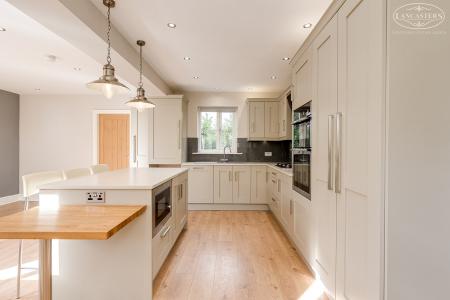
(217, 129)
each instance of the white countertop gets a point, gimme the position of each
(285, 171)
(125, 179)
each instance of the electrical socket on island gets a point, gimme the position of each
(95, 197)
(267, 153)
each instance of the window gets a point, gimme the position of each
(217, 129)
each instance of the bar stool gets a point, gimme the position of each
(99, 168)
(73, 173)
(31, 183)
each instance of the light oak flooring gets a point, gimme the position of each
(233, 255)
(222, 255)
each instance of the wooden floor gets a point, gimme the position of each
(233, 255)
(222, 255)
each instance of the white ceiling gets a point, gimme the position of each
(24, 66)
(235, 45)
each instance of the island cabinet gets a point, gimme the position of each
(123, 266)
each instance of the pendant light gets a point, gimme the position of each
(108, 84)
(140, 101)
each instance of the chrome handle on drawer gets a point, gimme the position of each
(163, 235)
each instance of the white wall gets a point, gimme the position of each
(418, 198)
(198, 99)
(56, 132)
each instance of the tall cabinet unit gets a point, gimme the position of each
(348, 140)
(168, 130)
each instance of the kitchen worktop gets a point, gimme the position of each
(285, 171)
(75, 222)
(126, 179)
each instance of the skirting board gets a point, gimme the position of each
(207, 206)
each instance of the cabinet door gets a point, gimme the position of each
(285, 119)
(303, 80)
(271, 119)
(256, 119)
(242, 184)
(302, 228)
(201, 184)
(259, 185)
(167, 126)
(324, 199)
(180, 203)
(360, 101)
(223, 184)
(287, 209)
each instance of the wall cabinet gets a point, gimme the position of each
(256, 110)
(272, 125)
(285, 118)
(168, 130)
(302, 80)
(259, 185)
(201, 184)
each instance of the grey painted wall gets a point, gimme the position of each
(9, 143)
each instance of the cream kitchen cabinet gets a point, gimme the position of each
(263, 116)
(223, 184)
(242, 184)
(201, 184)
(302, 80)
(286, 204)
(256, 111)
(179, 203)
(232, 184)
(259, 185)
(168, 130)
(285, 116)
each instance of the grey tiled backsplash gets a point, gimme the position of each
(251, 151)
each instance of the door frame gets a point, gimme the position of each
(95, 127)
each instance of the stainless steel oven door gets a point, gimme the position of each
(301, 181)
(161, 206)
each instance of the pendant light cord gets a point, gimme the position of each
(108, 57)
(140, 66)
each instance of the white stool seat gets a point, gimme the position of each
(73, 173)
(99, 168)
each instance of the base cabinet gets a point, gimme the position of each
(232, 184)
(259, 185)
(201, 184)
(287, 205)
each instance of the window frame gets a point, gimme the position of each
(219, 111)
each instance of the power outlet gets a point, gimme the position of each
(267, 153)
(95, 197)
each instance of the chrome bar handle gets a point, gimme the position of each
(330, 151)
(135, 148)
(338, 154)
(163, 235)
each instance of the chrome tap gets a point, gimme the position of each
(225, 159)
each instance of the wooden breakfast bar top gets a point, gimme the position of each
(75, 222)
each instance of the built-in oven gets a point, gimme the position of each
(301, 168)
(301, 150)
(161, 206)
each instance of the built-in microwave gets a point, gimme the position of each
(162, 206)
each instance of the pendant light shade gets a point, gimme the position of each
(140, 102)
(108, 84)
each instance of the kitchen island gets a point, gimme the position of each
(124, 266)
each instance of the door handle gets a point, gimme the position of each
(236, 176)
(179, 134)
(330, 151)
(163, 235)
(230, 176)
(134, 148)
(290, 207)
(338, 154)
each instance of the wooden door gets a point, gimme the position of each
(256, 119)
(242, 184)
(259, 185)
(114, 140)
(324, 198)
(360, 101)
(223, 184)
(271, 120)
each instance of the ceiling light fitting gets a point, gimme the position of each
(273, 77)
(140, 102)
(171, 25)
(286, 58)
(307, 25)
(108, 84)
(196, 77)
(187, 58)
(2, 29)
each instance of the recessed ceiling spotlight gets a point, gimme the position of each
(171, 25)
(187, 58)
(2, 29)
(286, 58)
(77, 68)
(196, 77)
(37, 90)
(50, 57)
(307, 25)
(273, 77)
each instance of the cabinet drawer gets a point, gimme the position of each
(161, 245)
